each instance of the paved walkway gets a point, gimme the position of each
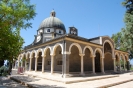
(5, 82)
(124, 85)
(44, 83)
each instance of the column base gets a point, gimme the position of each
(65, 75)
(93, 73)
(103, 72)
(42, 71)
(82, 74)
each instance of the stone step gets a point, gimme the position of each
(114, 84)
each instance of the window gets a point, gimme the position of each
(48, 30)
(60, 31)
(47, 39)
(59, 63)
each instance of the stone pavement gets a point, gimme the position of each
(6, 82)
(121, 81)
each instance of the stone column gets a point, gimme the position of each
(66, 64)
(25, 65)
(114, 59)
(30, 63)
(93, 64)
(18, 62)
(43, 62)
(120, 65)
(36, 61)
(52, 64)
(124, 65)
(22, 63)
(82, 64)
(102, 65)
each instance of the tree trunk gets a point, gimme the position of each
(10, 68)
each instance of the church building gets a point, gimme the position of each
(56, 51)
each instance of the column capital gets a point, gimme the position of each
(93, 56)
(52, 55)
(81, 54)
(65, 52)
(113, 58)
(30, 57)
(102, 57)
(43, 56)
(36, 56)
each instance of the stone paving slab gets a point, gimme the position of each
(70, 79)
(124, 85)
(6, 82)
(43, 83)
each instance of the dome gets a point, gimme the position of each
(52, 21)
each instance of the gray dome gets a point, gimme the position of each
(52, 21)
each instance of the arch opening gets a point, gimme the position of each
(58, 59)
(28, 61)
(74, 60)
(97, 62)
(108, 59)
(33, 62)
(47, 62)
(87, 61)
(39, 62)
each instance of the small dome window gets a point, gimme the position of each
(60, 31)
(48, 30)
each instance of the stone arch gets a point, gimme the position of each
(112, 47)
(116, 53)
(88, 53)
(47, 55)
(117, 60)
(23, 59)
(40, 50)
(88, 48)
(126, 57)
(57, 52)
(100, 51)
(74, 58)
(108, 51)
(127, 62)
(23, 54)
(28, 53)
(122, 61)
(45, 50)
(77, 45)
(55, 46)
(40, 53)
(33, 56)
(32, 52)
(28, 60)
(123, 57)
(98, 59)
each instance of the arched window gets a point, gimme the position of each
(60, 31)
(48, 30)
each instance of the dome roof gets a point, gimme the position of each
(52, 21)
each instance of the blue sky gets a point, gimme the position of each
(92, 18)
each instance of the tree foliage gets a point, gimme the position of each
(14, 16)
(124, 39)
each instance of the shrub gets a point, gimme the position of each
(3, 71)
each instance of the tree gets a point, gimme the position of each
(14, 16)
(124, 39)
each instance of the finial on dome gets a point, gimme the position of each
(52, 14)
